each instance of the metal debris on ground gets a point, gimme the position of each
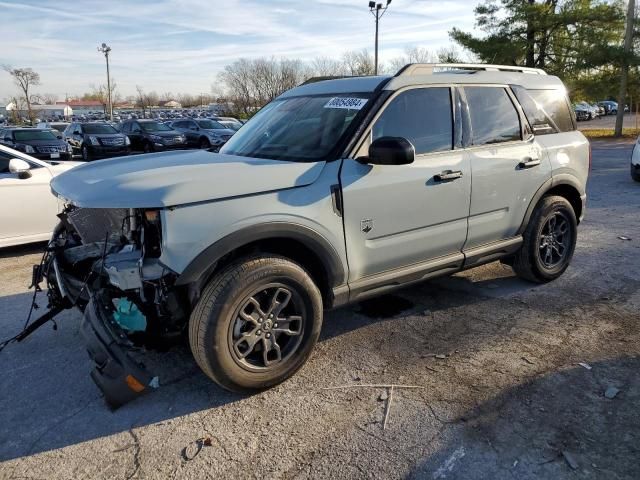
(388, 388)
(441, 356)
(622, 237)
(528, 361)
(585, 365)
(192, 450)
(570, 459)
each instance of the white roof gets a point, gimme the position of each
(426, 74)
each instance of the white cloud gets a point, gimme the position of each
(180, 46)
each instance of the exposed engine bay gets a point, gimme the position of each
(106, 263)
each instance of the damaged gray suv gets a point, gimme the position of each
(336, 191)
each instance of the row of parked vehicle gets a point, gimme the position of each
(92, 140)
(590, 111)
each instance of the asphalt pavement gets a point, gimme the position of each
(512, 379)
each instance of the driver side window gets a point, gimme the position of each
(421, 115)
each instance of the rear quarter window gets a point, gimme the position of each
(556, 106)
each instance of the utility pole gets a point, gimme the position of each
(106, 49)
(624, 71)
(377, 10)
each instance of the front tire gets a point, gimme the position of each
(147, 148)
(86, 155)
(549, 241)
(204, 143)
(256, 323)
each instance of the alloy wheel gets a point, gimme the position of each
(267, 328)
(555, 240)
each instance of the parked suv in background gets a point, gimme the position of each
(151, 136)
(336, 191)
(96, 140)
(203, 133)
(40, 143)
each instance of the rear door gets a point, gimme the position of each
(508, 165)
(400, 215)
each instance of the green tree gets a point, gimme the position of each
(560, 36)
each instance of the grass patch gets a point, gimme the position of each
(608, 133)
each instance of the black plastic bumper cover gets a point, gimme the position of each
(115, 372)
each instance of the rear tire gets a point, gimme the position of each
(235, 341)
(635, 173)
(549, 241)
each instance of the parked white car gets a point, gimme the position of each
(635, 161)
(29, 209)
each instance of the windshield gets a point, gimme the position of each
(98, 128)
(209, 124)
(232, 125)
(155, 127)
(59, 126)
(304, 129)
(26, 135)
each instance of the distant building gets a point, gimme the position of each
(169, 104)
(83, 107)
(42, 112)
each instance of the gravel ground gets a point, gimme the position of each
(503, 395)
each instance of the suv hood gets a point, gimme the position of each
(219, 131)
(177, 178)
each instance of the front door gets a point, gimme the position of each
(401, 215)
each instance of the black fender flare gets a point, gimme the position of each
(204, 262)
(563, 179)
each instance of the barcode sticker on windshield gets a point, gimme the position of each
(344, 102)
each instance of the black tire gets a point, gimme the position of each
(635, 173)
(533, 262)
(218, 329)
(86, 155)
(147, 147)
(204, 143)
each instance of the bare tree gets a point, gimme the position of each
(449, 55)
(24, 78)
(49, 98)
(411, 55)
(101, 93)
(359, 63)
(327, 67)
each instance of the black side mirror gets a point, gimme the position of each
(390, 151)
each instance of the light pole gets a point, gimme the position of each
(377, 10)
(106, 49)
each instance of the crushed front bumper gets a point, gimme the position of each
(115, 371)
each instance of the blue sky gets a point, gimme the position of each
(180, 46)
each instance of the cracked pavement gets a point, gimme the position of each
(503, 397)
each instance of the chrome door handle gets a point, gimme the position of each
(529, 162)
(447, 175)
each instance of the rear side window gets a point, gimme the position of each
(494, 118)
(539, 120)
(423, 116)
(554, 103)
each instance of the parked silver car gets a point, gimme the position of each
(336, 191)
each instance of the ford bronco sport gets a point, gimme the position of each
(335, 191)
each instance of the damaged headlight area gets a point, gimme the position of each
(107, 263)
